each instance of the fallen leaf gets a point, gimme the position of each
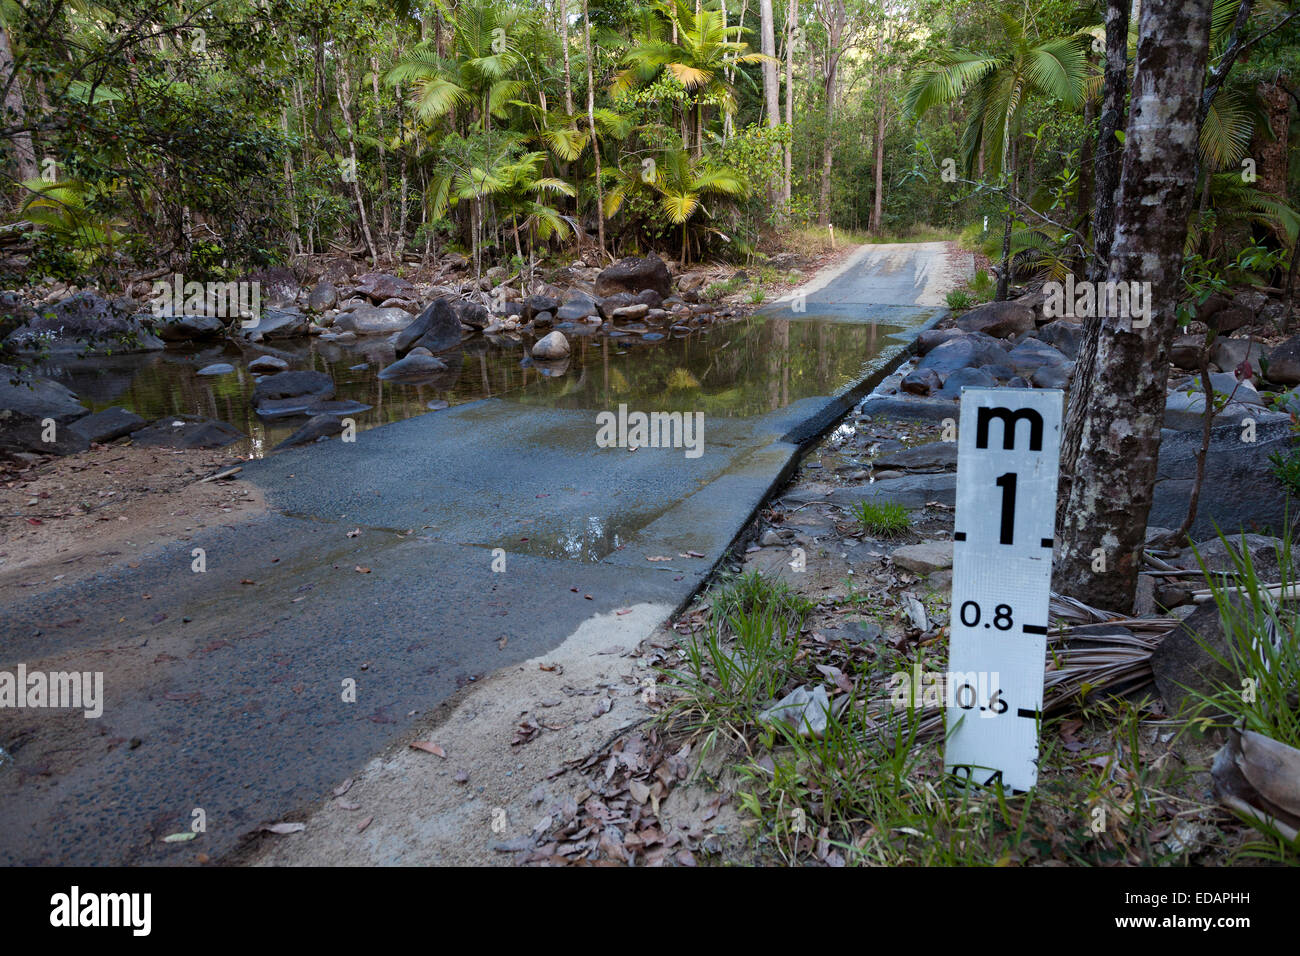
(657, 558)
(343, 788)
(180, 837)
(360, 570)
(354, 532)
(429, 747)
(364, 823)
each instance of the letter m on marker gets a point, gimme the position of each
(1009, 421)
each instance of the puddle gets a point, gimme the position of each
(741, 369)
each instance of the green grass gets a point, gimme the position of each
(1262, 640)
(882, 519)
(959, 300)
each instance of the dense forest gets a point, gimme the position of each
(215, 136)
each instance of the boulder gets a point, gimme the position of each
(38, 398)
(1052, 376)
(1187, 351)
(1063, 336)
(23, 433)
(932, 456)
(1239, 493)
(967, 351)
(277, 408)
(609, 304)
(277, 286)
(87, 321)
(552, 347)
(293, 385)
(964, 377)
(650, 298)
(1284, 362)
(372, 320)
(187, 431)
(1215, 303)
(998, 319)
(378, 286)
(316, 428)
(931, 339)
(1183, 663)
(1264, 552)
(1032, 354)
(1251, 301)
(437, 329)
(274, 324)
(323, 296)
(216, 368)
(633, 275)
(186, 328)
(630, 313)
(1231, 319)
(473, 314)
(539, 303)
(921, 381)
(418, 365)
(268, 363)
(575, 311)
(1276, 314)
(108, 425)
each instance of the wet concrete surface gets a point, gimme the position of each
(225, 690)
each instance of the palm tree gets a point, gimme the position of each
(478, 71)
(680, 182)
(698, 58)
(997, 88)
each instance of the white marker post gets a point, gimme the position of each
(1007, 463)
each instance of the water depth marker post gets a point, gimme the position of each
(1008, 451)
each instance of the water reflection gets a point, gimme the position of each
(743, 369)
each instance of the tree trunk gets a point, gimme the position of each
(591, 120)
(1114, 475)
(792, 14)
(767, 38)
(16, 112)
(344, 90)
(836, 22)
(1004, 278)
(878, 205)
(1109, 154)
(1110, 150)
(564, 41)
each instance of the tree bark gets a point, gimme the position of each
(1114, 476)
(767, 39)
(568, 75)
(1106, 175)
(836, 21)
(591, 120)
(16, 112)
(792, 14)
(344, 90)
(878, 203)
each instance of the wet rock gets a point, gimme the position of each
(576, 311)
(278, 408)
(108, 425)
(909, 407)
(372, 320)
(437, 329)
(273, 324)
(216, 368)
(924, 558)
(650, 298)
(293, 385)
(317, 427)
(966, 377)
(551, 347)
(187, 431)
(268, 363)
(419, 364)
(543, 320)
(633, 275)
(998, 319)
(323, 296)
(911, 491)
(607, 306)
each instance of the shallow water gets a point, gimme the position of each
(740, 369)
